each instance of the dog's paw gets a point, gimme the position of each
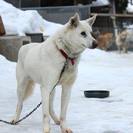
(57, 122)
(46, 130)
(13, 122)
(66, 130)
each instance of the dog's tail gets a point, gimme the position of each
(29, 89)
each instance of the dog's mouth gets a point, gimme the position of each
(84, 46)
(93, 46)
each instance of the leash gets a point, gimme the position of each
(10, 123)
(31, 112)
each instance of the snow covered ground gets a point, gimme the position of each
(97, 70)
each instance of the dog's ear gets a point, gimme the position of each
(92, 20)
(74, 21)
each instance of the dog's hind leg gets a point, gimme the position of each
(24, 89)
(21, 88)
(119, 49)
(29, 89)
(51, 110)
(125, 49)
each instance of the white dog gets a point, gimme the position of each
(43, 63)
(124, 40)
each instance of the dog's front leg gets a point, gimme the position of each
(45, 92)
(65, 97)
(51, 110)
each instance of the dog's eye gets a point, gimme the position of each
(83, 34)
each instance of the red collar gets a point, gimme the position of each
(67, 57)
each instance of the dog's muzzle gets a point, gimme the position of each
(94, 44)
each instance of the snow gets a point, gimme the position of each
(129, 7)
(20, 22)
(100, 3)
(98, 70)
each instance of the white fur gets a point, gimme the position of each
(124, 40)
(42, 63)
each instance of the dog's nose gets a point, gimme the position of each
(94, 44)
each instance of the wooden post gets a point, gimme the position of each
(2, 29)
(75, 2)
(114, 18)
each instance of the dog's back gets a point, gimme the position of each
(25, 49)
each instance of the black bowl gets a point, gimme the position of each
(96, 93)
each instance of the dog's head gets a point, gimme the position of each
(79, 33)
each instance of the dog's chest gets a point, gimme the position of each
(68, 72)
